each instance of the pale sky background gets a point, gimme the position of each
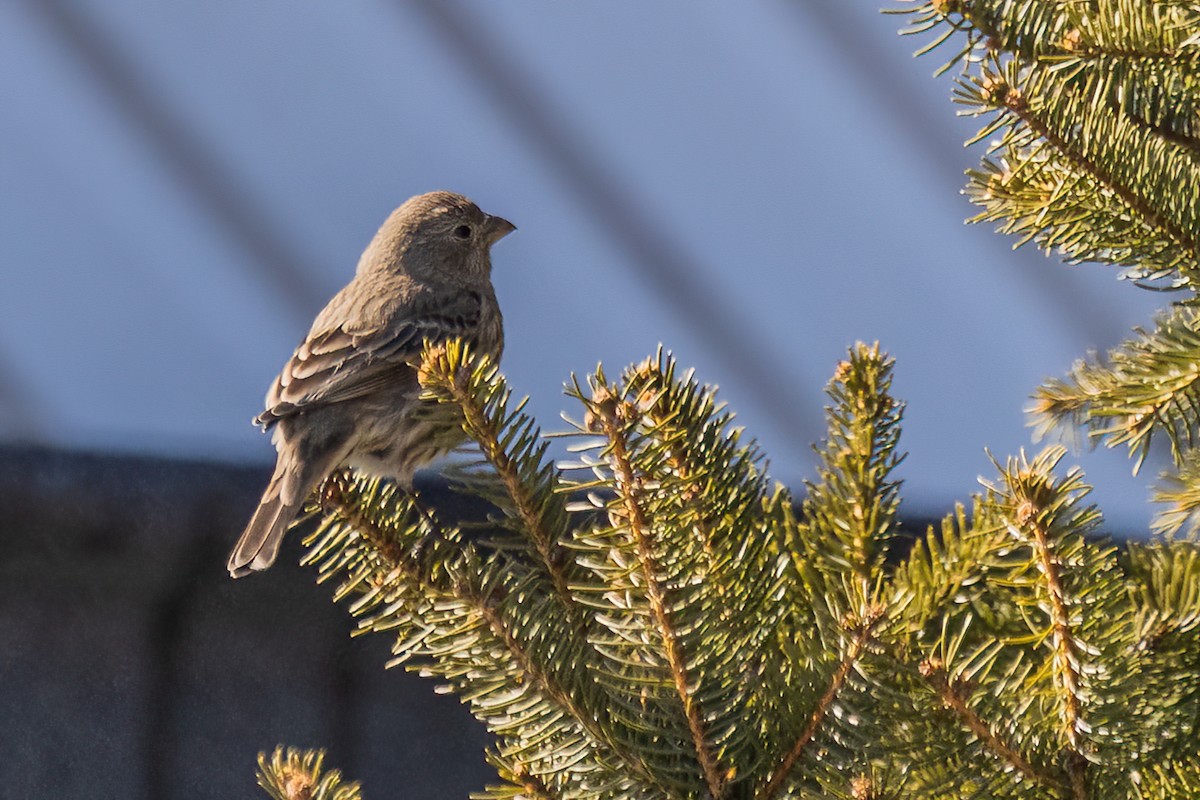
(756, 185)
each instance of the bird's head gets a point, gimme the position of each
(439, 236)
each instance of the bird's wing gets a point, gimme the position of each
(344, 362)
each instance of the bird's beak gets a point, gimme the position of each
(496, 228)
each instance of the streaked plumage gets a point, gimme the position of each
(346, 396)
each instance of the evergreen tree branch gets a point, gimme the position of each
(471, 383)
(1033, 501)
(483, 602)
(952, 618)
(533, 501)
(1184, 140)
(953, 696)
(1153, 217)
(718, 556)
(650, 382)
(858, 645)
(1066, 646)
(423, 580)
(1178, 494)
(293, 774)
(1097, 102)
(1166, 576)
(613, 417)
(944, 569)
(851, 512)
(709, 483)
(722, 604)
(520, 783)
(674, 689)
(1169, 780)
(1148, 385)
(841, 545)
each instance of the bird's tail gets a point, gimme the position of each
(259, 545)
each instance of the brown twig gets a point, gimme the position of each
(953, 696)
(849, 659)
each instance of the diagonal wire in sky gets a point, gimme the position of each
(933, 138)
(192, 162)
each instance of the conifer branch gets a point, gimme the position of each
(1166, 579)
(1066, 648)
(1030, 496)
(1149, 384)
(396, 560)
(1152, 218)
(853, 508)
(535, 788)
(1115, 52)
(701, 458)
(853, 653)
(1186, 141)
(940, 566)
(483, 604)
(1098, 109)
(449, 368)
(1179, 496)
(732, 652)
(690, 494)
(629, 486)
(521, 784)
(952, 695)
(867, 451)
(294, 774)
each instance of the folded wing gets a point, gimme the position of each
(342, 363)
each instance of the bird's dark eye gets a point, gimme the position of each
(463, 231)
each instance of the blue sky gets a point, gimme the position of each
(757, 186)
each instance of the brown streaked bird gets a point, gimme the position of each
(347, 396)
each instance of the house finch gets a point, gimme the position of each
(347, 396)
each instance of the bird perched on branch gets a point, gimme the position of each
(349, 394)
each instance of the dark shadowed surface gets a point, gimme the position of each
(132, 666)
